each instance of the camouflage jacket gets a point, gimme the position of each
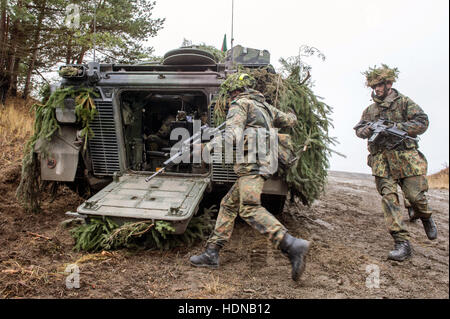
(164, 130)
(249, 110)
(405, 160)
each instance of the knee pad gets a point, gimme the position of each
(419, 199)
(391, 198)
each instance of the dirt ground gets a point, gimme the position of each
(349, 248)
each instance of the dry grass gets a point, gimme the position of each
(212, 285)
(439, 179)
(18, 280)
(16, 126)
(216, 288)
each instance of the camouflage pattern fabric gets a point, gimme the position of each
(286, 152)
(379, 75)
(406, 160)
(164, 130)
(161, 138)
(244, 198)
(244, 55)
(69, 71)
(414, 189)
(249, 110)
(405, 166)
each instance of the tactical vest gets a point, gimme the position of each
(286, 152)
(397, 117)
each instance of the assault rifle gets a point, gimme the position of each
(186, 146)
(386, 133)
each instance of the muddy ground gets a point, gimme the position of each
(349, 247)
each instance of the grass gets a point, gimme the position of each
(212, 285)
(18, 280)
(439, 180)
(16, 126)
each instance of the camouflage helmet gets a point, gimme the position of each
(238, 81)
(379, 75)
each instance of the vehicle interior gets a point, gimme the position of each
(148, 118)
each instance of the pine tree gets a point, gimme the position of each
(35, 35)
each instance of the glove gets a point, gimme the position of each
(365, 132)
(392, 124)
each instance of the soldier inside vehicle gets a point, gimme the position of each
(148, 119)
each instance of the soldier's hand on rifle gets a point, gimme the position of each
(391, 124)
(366, 131)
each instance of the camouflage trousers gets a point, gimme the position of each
(244, 198)
(414, 189)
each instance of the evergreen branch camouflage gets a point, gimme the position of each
(69, 71)
(44, 127)
(379, 75)
(103, 234)
(219, 56)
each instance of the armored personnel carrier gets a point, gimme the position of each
(138, 105)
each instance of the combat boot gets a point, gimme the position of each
(402, 251)
(295, 249)
(210, 258)
(430, 227)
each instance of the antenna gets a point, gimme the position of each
(232, 39)
(95, 30)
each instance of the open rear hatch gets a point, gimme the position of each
(170, 198)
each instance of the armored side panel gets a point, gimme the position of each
(249, 56)
(61, 159)
(66, 113)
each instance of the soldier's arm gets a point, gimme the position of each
(281, 119)
(235, 124)
(417, 120)
(360, 128)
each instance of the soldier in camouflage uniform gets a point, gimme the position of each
(161, 139)
(249, 110)
(404, 165)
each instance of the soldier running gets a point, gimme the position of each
(248, 109)
(403, 165)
